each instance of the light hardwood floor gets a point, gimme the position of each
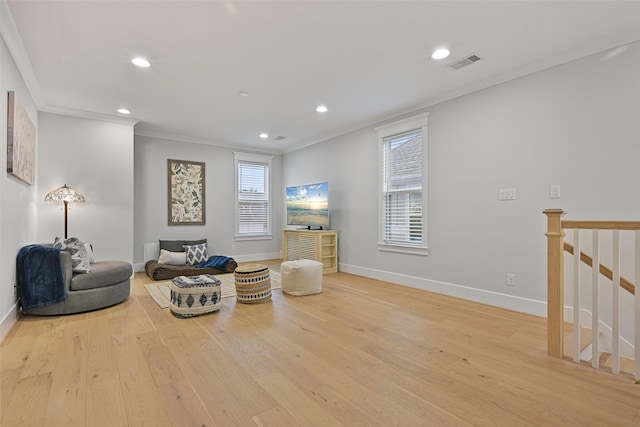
(363, 352)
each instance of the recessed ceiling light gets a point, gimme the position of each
(141, 62)
(123, 111)
(440, 53)
(243, 93)
(321, 109)
(264, 135)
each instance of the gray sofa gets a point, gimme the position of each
(108, 283)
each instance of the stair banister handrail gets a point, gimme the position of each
(599, 225)
(555, 283)
(555, 275)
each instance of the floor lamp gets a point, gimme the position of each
(65, 195)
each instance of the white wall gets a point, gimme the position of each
(94, 157)
(574, 125)
(151, 221)
(19, 208)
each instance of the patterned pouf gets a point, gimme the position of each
(253, 284)
(195, 295)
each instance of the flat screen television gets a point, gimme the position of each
(308, 205)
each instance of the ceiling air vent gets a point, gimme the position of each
(279, 138)
(470, 59)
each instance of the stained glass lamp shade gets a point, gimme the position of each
(64, 195)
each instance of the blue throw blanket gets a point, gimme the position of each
(217, 261)
(40, 276)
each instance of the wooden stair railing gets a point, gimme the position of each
(555, 283)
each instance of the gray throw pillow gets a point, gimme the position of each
(178, 245)
(195, 242)
(172, 245)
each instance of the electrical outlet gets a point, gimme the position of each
(511, 279)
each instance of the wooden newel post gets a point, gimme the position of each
(555, 283)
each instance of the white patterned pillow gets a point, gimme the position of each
(75, 247)
(196, 253)
(89, 249)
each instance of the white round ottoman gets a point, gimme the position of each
(301, 277)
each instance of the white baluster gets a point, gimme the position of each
(636, 325)
(615, 288)
(595, 317)
(576, 296)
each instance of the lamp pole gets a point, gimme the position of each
(66, 205)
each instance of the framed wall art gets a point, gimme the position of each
(21, 142)
(186, 196)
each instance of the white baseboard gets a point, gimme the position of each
(8, 321)
(510, 302)
(257, 257)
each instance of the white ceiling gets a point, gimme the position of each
(366, 60)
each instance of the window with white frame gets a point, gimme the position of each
(253, 200)
(403, 185)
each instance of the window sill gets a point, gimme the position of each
(411, 250)
(253, 237)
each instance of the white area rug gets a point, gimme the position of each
(161, 291)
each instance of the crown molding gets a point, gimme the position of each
(194, 140)
(617, 41)
(14, 43)
(181, 138)
(88, 115)
(595, 47)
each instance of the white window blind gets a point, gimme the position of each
(253, 210)
(402, 185)
(402, 188)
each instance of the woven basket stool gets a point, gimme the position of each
(301, 277)
(253, 284)
(195, 295)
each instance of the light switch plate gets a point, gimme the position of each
(554, 192)
(507, 194)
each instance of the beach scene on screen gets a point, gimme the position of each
(308, 205)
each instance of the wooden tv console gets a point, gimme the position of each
(317, 245)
